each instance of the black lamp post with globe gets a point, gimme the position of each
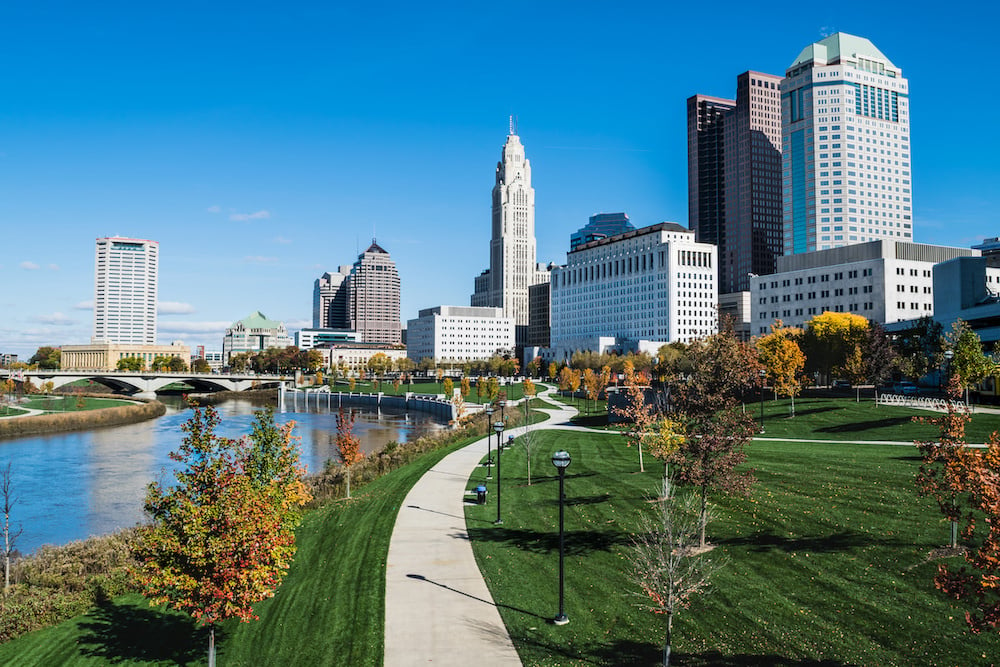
(498, 427)
(561, 461)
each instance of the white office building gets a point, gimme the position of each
(459, 333)
(845, 147)
(634, 292)
(125, 289)
(254, 333)
(884, 281)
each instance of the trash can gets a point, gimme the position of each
(481, 495)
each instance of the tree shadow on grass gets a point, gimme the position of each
(588, 500)
(768, 541)
(129, 632)
(716, 659)
(590, 420)
(800, 411)
(853, 427)
(577, 542)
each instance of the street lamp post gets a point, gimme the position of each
(763, 377)
(489, 440)
(561, 461)
(502, 403)
(498, 427)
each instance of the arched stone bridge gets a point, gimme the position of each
(149, 382)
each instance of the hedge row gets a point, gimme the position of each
(77, 421)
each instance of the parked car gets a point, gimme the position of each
(905, 388)
(841, 384)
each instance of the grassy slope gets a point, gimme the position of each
(825, 564)
(329, 610)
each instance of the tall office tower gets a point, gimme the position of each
(846, 147)
(125, 283)
(512, 247)
(330, 300)
(600, 226)
(373, 297)
(734, 177)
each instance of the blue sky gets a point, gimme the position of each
(263, 144)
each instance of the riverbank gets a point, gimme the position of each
(136, 410)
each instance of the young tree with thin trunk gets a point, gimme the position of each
(939, 472)
(348, 445)
(528, 389)
(968, 362)
(223, 537)
(552, 370)
(10, 534)
(636, 410)
(781, 357)
(666, 562)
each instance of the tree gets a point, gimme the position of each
(783, 360)
(829, 337)
(10, 534)
(464, 387)
(223, 537)
(591, 383)
(448, 387)
(952, 471)
(636, 410)
(47, 357)
(492, 389)
(666, 562)
(722, 370)
(200, 365)
(552, 370)
(709, 456)
(176, 364)
(968, 363)
(664, 438)
(134, 364)
(348, 445)
(379, 363)
(880, 356)
(239, 362)
(534, 366)
(939, 472)
(922, 349)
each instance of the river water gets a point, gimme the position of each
(70, 486)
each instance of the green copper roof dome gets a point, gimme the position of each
(840, 46)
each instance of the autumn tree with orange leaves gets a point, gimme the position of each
(636, 409)
(348, 445)
(966, 484)
(223, 537)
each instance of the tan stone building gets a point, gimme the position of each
(105, 356)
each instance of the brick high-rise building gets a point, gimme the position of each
(373, 297)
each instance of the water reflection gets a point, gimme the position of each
(73, 485)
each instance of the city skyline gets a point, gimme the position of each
(262, 148)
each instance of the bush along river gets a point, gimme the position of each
(73, 485)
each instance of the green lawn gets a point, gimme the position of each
(8, 411)
(826, 563)
(329, 610)
(67, 403)
(514, 391)
(844, 419)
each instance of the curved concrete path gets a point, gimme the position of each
(438, 609)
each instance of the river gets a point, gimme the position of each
(70, 486)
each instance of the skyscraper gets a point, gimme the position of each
(846, 147)
(373, 297)
(600, 226)
(734, 177)
(125, 286)
(512, 246)
(330, 300)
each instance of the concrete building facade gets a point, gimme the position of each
(884, 281)
(126, 275)
(845, 147)
(104, 356)
(459, 333)
(330, 300)
(634, 291)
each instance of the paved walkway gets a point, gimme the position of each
(438, 609)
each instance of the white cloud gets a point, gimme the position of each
(53, 267)
(214, 209)
(85, 305)
(258, 259)
(57, 319)
(174, 308)
(193, 327)
(259, 215)
(282, 240)
(29, 266)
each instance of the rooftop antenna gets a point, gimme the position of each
(513, 125)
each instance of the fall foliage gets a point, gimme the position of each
(348, 445)
(222, 538)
